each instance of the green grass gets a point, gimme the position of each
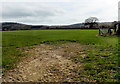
(101, 62)
(101, 65)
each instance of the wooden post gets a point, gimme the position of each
(99, 31)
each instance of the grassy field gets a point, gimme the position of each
(101, 63)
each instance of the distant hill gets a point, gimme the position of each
(6, 26)
(77, 25)
(14, 26)
(100, 24)
(105, 23)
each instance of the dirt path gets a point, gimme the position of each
(48, 63)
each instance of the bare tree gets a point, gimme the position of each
(91, 21)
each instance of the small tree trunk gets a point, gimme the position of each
(91, 25)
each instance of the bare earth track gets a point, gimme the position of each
(48, 63)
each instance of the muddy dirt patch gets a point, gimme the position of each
(48, 63)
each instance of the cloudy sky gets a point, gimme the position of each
(57, 12)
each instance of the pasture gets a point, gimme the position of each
(101, 64)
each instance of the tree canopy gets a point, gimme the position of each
(91, 21)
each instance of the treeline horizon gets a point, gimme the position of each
(9, 26)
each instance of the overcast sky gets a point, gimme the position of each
(58, 12)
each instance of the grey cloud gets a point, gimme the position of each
(27, 10)
(59, 12)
